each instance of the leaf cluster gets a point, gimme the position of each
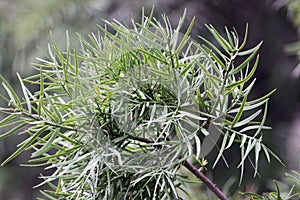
(279, 194)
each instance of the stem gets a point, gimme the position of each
(214, 188)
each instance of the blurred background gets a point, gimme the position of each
(25, 27)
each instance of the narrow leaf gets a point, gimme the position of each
(247, 120)
(12, 131)
(248, 128)
(159, 72)
(185, 37)
(239, 114)
(232, 137)
(8, 119)
(191, 115)
(245, 38)
(221, 149)
(235, 84)
(247, 61)
(48, 145)
(257, 151)
(229, 37)
(25, 145)
(224, 44)
(251, 144)
(263, 120)
(198, 146)
(25, 93)
(249, 103)
(244, 139)
(12, 94)
(242, 164)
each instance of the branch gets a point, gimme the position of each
(205, 180)
(213, 187)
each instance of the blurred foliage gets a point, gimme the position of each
(293, 7)
(26, 25)
(294, 11)
(282, 191)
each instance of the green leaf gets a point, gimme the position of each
(13, 131)
(247, 120)
(171, 184)
(240, 112)
(278, 197)
(253, 127)
(4, 122)
(208, 55)
(244, 139)
(66, 66)
(242, 163)
(57, 155)
(12, 94)
(24, 89)
(210, 44)
(231, 140)
(28, 142)
(152, 55)
(48, 196)
(266, 149)
(159, 72)
(253, 195)
(229, 37)
(257, 151)
(191, 115)
(221, 150)
(48, 145)
(224, 44)
(215, 58)
(247, 78)
(249, 103)
(249, 106)
(250, 146)
(198, 146)
(41, 95)
(246, 62)
(266, 153)
(185, 37)
(263, 120)
(56, 116)
(245, 38)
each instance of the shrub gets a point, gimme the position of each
(120, 117)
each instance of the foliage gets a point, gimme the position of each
(24, 25)
(118, 118)
(278, 194)
(293, 8)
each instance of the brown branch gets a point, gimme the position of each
(205, 180)
(213, 187)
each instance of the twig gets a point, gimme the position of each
(213, 187)
(205, 180)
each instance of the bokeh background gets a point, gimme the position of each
(25, 27)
